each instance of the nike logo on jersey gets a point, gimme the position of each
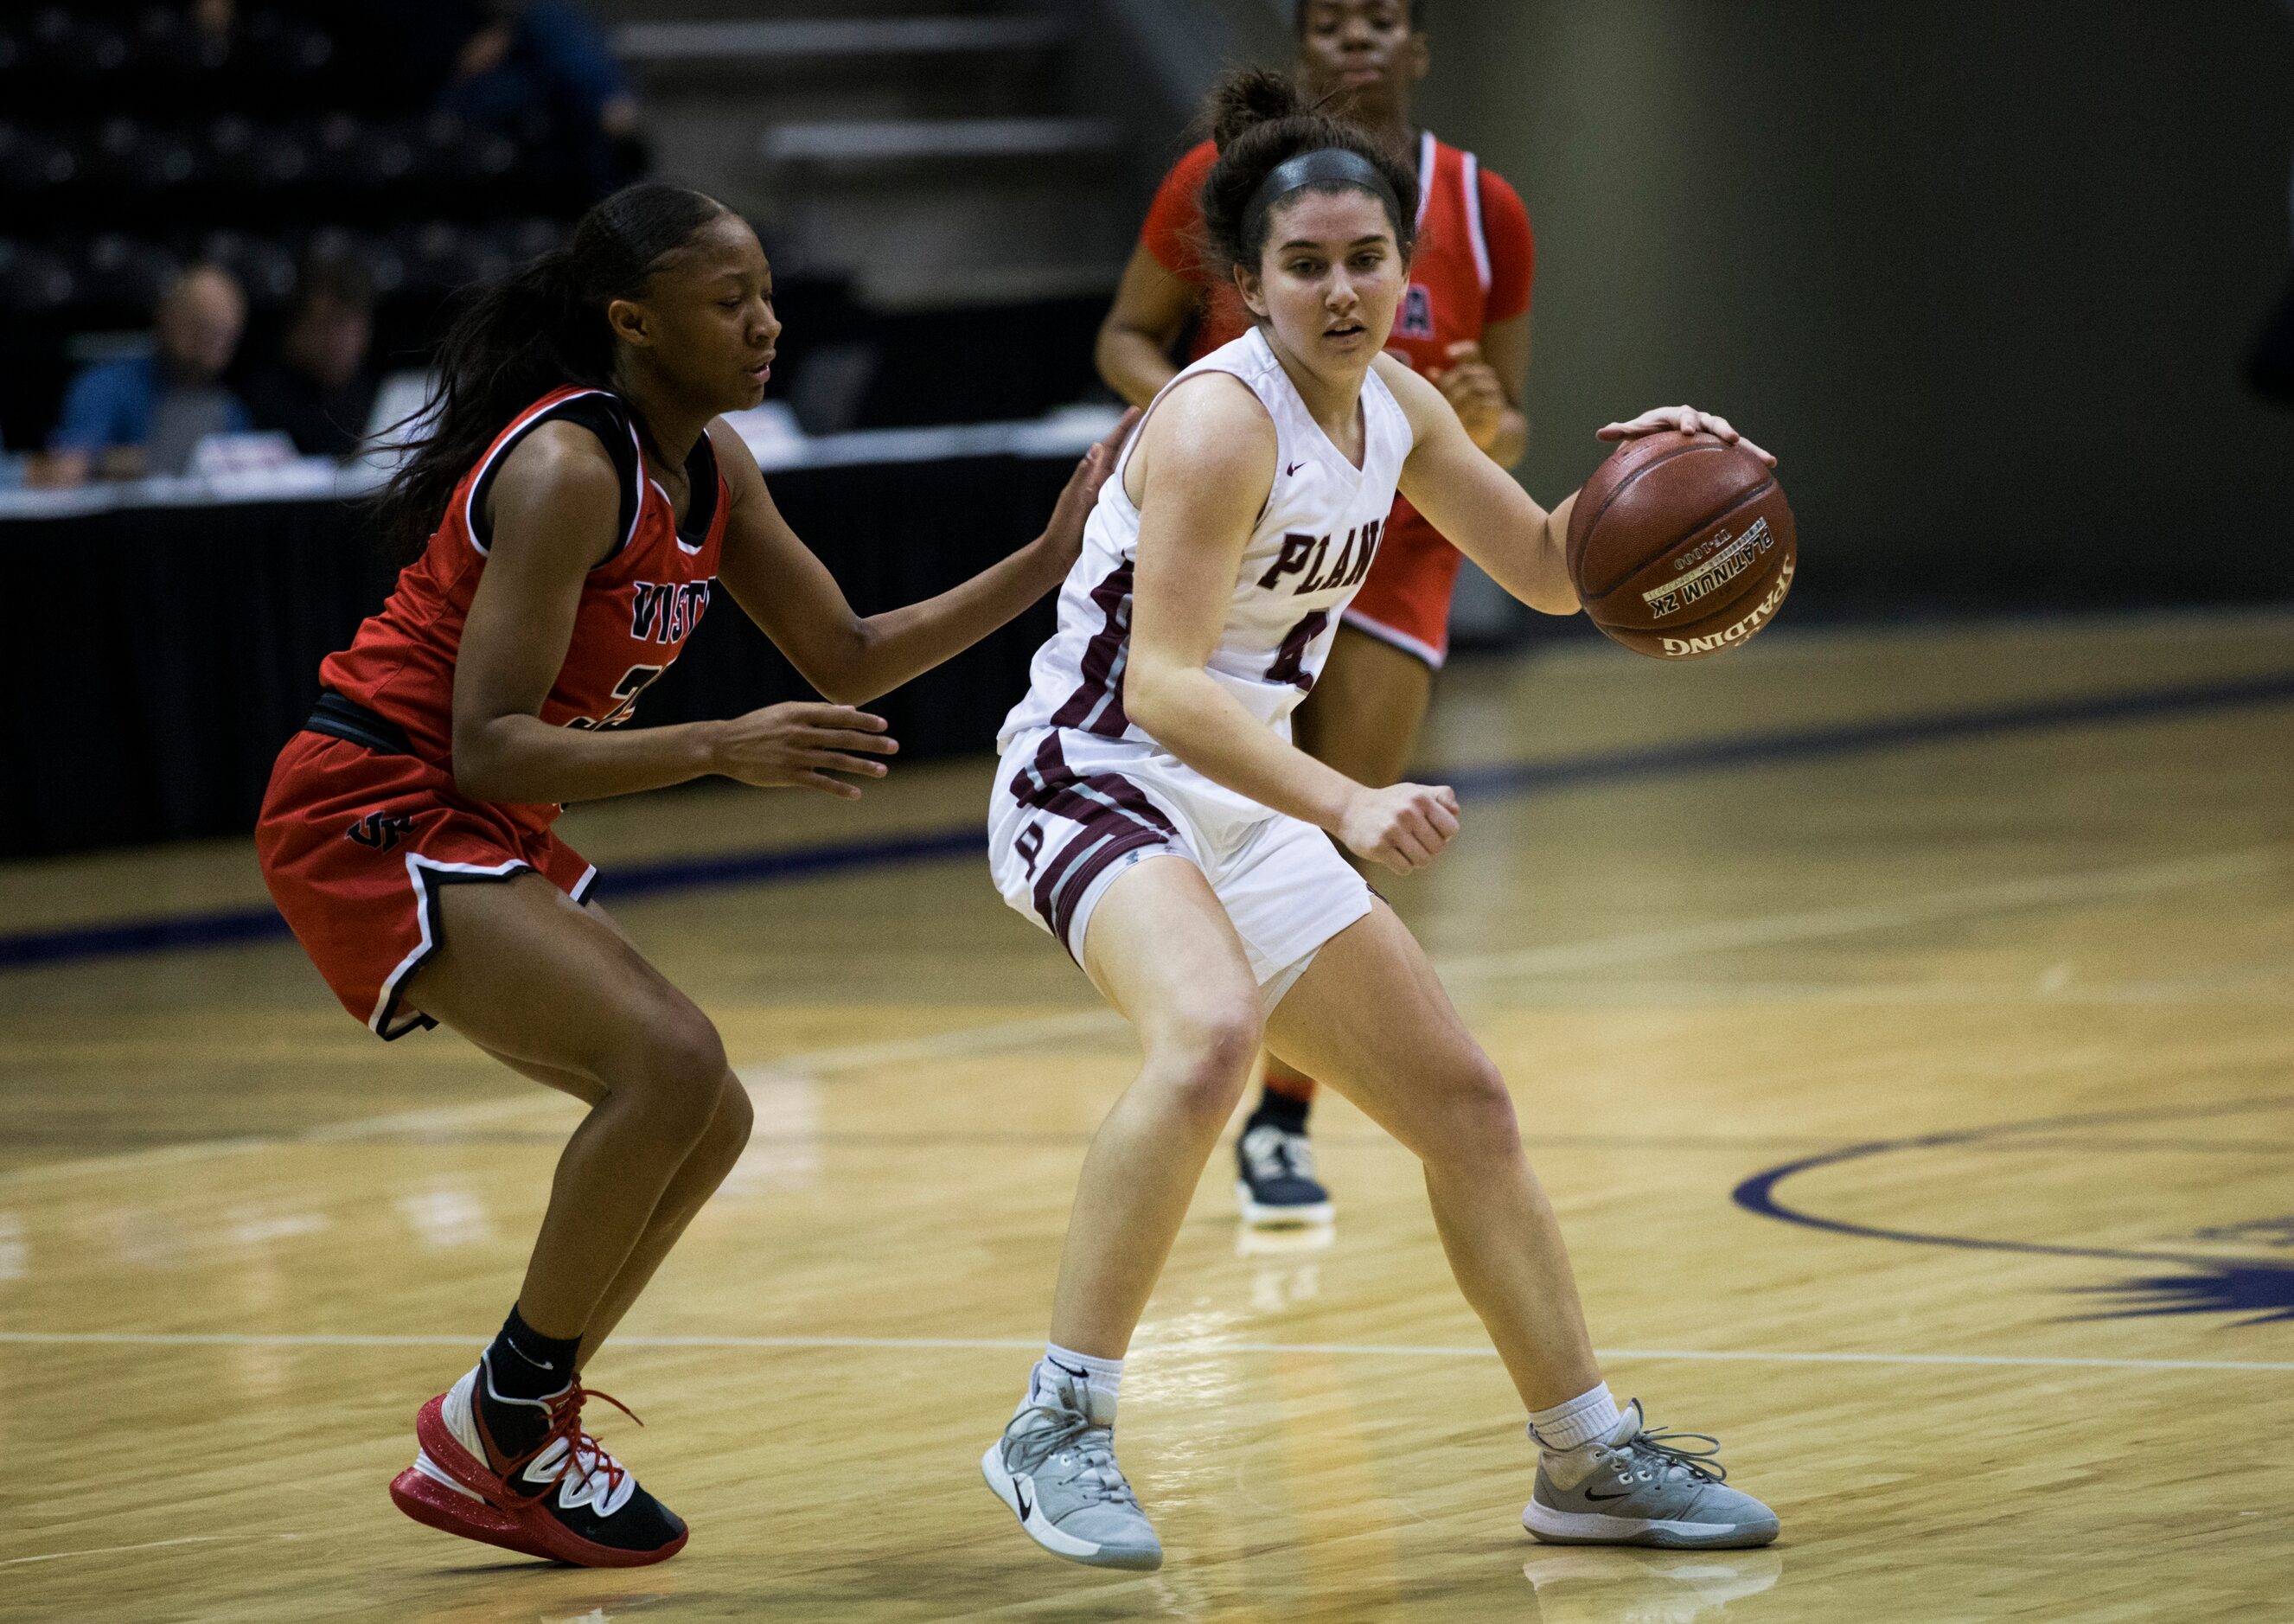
(1293, 468)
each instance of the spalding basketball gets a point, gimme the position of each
(1682, 545)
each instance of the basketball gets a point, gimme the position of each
(1682, 545)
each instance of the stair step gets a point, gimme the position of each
(618, 11)
(1014, 232)
(767, 43)
(863, 143)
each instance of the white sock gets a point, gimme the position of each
(1103, 1375)
(1589, 1416)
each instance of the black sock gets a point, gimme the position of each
(1287, 1112)
(525, 1364)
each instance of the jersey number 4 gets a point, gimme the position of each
(1289, 664)
(634, 681)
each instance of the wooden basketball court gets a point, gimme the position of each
(1903, 1021)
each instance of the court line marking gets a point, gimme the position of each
(2243, 989)
(148, 1544)
(137, 937)
(1998, 896)
(2060, 890)
(999, 1344)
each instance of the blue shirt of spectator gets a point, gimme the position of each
(127, 418)
(113, 404)
(545, 58)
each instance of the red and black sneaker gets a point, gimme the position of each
(559, 1496)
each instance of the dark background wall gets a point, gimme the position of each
(157, 716)
(1983, 271)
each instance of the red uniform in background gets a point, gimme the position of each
(362, 822)
(1475, 261)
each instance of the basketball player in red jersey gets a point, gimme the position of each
(1464, 326)
(582, 502)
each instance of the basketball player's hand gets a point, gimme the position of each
(1470, 385)
(1687, 420)
(1404, 827)
(798, 746)
(1064, 536)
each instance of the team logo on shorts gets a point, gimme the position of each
(380, 831)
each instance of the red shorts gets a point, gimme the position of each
(355, 843)
(1405, 600)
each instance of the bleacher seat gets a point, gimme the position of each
(34, 282)
(124, 274)
(133, 142)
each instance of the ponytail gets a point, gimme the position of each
(541, 328)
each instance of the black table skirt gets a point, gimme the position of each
(161, 656)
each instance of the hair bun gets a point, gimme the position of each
(1248, 97)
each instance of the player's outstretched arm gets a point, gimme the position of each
(788, 592)
(554, 507)
(1485, 514)
(1474, 504)
(1206, 464)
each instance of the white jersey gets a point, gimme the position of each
(1309, 552)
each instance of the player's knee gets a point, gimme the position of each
(1479, 1122)
(727, 1134)
(1204, 1056)
(678, 1069)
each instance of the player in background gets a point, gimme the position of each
(1464, 326)
(582, 502)
(1150, 812)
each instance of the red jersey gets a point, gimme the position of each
(1474, 262)
(638, 606)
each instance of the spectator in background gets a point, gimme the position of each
(144, 415)
(520, 61)
(503, 65)
(319, 389)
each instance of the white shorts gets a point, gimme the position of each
(1070, 812)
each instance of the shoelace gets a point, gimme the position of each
(1273, 1153)
(584, 1454)
(1704, 1465)
(1101, 1480)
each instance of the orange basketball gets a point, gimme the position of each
(1682, 545)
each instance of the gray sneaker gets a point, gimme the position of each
(1644, 1489)
(1055, 1468)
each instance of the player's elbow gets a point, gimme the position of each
(843, 670)
(842, 685)
(1155, 696)
(1553, 597)
(847, 690)
(1105, 347)
(479, 763)
(1130, 359)
(1116, 355)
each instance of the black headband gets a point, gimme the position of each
(1323, 166)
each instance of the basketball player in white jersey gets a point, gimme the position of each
(1151, 813)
